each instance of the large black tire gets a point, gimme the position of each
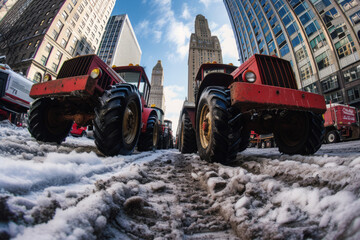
(300, 133)
(214, 136)
(187, 138)
(45, 123)
(149, 139)
(166, 141)
(332, 137)
(118, 120)
(245, 139)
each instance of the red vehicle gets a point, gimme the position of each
(168, 135)
(89, 92)
(262, 140)
(78, 131)
(341, 123)
(260, 95)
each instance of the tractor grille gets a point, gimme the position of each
(75, 67)
(105, 81)
(276, 72)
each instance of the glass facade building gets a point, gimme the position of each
(320, 38)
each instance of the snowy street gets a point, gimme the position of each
(71, 191)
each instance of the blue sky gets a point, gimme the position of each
(163, 29)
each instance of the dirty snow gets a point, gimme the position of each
(71, 191)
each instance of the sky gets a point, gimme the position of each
(163, 29)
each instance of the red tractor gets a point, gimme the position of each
(165, 132)
(89, 92)
(260, 95)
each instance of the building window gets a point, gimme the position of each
(43, 60)
(305, 72)
(352, 74)
(285, 50)
(301, 54)
(311, 88)
(330, 84)
(70, 7)
(65, 15)
(76, 17)
(322, 61)
(318, 42)
(344, 46)
(54, 67)
(63, 43)
(60, 25)
(355, 18)
(354, 94)
(74, 2)
(37, 77)
(335, 97)
(55, 34)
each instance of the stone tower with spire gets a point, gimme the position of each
(157, 87)
(203, 48)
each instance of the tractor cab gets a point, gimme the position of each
(135, 75)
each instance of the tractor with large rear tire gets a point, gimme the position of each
(89, 92)
(260, 95)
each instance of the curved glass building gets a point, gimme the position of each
(319, 37)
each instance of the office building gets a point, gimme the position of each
(119, 45)
(203, 48)
(319, 37)
(38, 36)
(157, 87)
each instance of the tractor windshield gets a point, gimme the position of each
(219, 70)
(131, 77)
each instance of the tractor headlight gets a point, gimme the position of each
(95, 73)
(249, 76)
(47, 77)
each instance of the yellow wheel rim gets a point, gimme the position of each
(205, 126)
(130, 122)
(155, 134)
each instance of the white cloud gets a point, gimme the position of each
(157, 36)
(208, 2)
(227, 41)
(174, 96)
(186, 12)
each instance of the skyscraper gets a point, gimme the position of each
(119, 45)
(203, 48)
(319, 37)
(38, 36)
(157, 87)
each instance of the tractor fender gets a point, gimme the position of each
(214, 79)
(145, 116)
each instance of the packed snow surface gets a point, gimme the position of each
(71, 191)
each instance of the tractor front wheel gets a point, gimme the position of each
(118, 120)
(215, 138)
(149, 139)
(45, 122)
(299, 133)
(187, 143)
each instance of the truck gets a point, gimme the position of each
(341, 123)
(14, 94)
(261, 95)
(114, 100)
